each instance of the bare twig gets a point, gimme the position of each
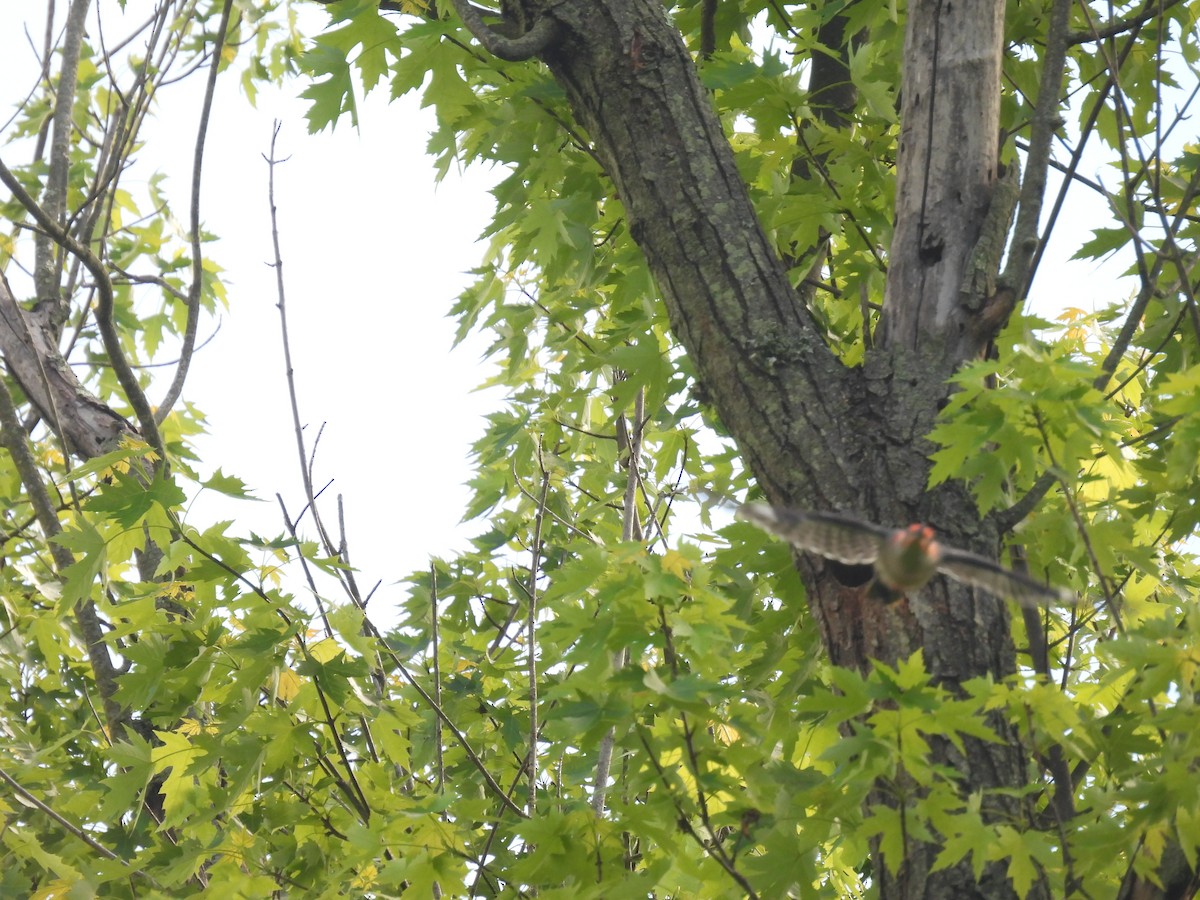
(312, 584)
(307, 462)
(531, 642)
(281, 305)
(47, 250)
(157, 365)
(193, 305)
(630, 527)
(437, 678)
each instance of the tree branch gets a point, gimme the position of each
(769, 372)
(13, 438)
(531, 642)
(708, 31)
(193, 300)
(1007, 519)
(104, 311)
(1151, 10)
(437, 676)
(1019, 270)
(629, 443)
(28, 798)
(513, 49)
(86, 426)
(46, 255)
(1086, 129)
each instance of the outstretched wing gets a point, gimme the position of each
(826, 534)
(995, 579)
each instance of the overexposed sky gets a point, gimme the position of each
(374, 255)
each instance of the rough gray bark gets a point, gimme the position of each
(949, 149)
(27, 343)
(777, 385)
(815, 433)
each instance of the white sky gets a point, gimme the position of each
(374, 255)
(373, 259)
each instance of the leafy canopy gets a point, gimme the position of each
(271, 746)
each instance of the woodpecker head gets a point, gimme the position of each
(909, 558)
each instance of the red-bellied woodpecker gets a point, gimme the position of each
(904, 559)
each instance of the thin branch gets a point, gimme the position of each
(317, 811)
(684, 821)
(281, 305)
(1149, 279)
(1110, 601)
(1150, 11)
(630, 529)
(1067, 171)
(575, 137)
(102, 195)
(714, 847)
(1169, 250)
(29, 798)
(373, 632)
(565, 523)
(307, 462)
(193, 306)
(1006, 520)
(47, 255)
(531, 641)
(343, 553)
(312, 584)
(437, 678)
(357, 797)
(1019, 270)
(1086, 129)
(1063, 799)
(491, 782)
(157, 365)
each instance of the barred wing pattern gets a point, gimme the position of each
(852, 541)
(979, 572)
(827, 534)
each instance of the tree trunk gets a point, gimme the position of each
(815, 433)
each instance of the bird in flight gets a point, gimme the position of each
(904, 559)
